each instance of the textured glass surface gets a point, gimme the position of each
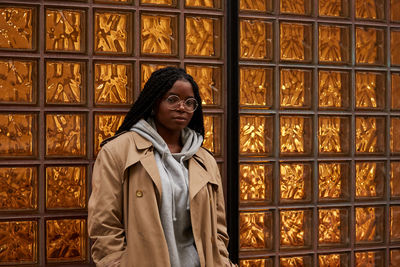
(394, 257)
(157, 2)
(332, 260)
(333, 43)
(16, 30)
(332, 134)
(294, 228)
(333, 89)
(212, 133)
(369, 9)
(394, 47)
(292, 261)
(294, 6)
(255, 5)
(203, 3)
(333, 8)
(394, 135)
(17, 81)
(332, 181)
(65, 187)
(294, 182)
(111, 32)
(65, 83)
(256, 263)
(369, 45)
(394, 223)
(201, 36)
(255, 182)
(369, 135)
(369, 259)
(395, 90)
(113, 83)
(65, 135)
(255, 87)
(147, 70)
(18, 242)
(295, 41)
(255, 135)
(395, 179)
(370, 90)
(332, 228)
(112, 1)
(295, 88)
(295, 135)
(105, 126)
(369, 224)
(369, 180)
(158, 34)
(209, 80)
(394, 6)
(255, 39)
(18, 188)
(17, 133)
(255, 230)
(66, 240)
(64, 30)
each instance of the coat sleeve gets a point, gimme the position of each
(105, 223)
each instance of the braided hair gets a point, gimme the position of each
(158, 84)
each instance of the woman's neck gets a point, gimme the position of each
(171, 138)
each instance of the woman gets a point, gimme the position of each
(157, 197)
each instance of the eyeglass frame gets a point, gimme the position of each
(176, 105)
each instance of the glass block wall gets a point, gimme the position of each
(319, 127)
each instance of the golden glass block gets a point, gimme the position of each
(106, 126)
(18, 188)
(65, 187)
(112, 32)
(295, 135)
(294, 182)
(295, 88)
(17, 135)
(203, 3)
(255, 230)
(66, 240)
(295, 41)
(212, 133)
(370, 90)
(332, 181)
(255, 39)
(394, 47)
(333, 89)
(65, 83)
(394, 257)
(333, 8)
(112, 1)
(332, 227)
(333, 134)
(113, 83)
(301, 7)
(16, 30)
(394, 223)
(333, 43)
(256, 135)
(394, 135)
(255, 5)
(369, 259)
(256, 87)
(158, 2)
(65, 30)
(333, 260)
(147, 70)
(369, 9)
(395, 179)
(65, 135)
(19, 241)
(295, 228)
(369, 45)
(209, 80)
(395, 90)
(370, 179)
(370, 135)
(159, 34)
(255, 182)
(369, 224)
(394, 7)
(201, 36)
(256, 263)
(17, 83)
(292, 261)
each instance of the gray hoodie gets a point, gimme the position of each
(174, 210)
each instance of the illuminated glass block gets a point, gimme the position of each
(295, 88)
(147, 69)
(394, 223)
(268, 262)
(370, 180)
(18, 188)
(369, 45)
(255, 5)
(65, 187)
(66, 240)
(370, 135)
(18, 135)
(255, 135)
(202, 36)
(112, 1)
(113, 84)
(255, 230)
(394, 47)
(333, 181)
(112, 32)
(203, 3)
(333, 135)
(395, 179)
(370, 90)
(295, 229)
(395, 90)
(333, 44)
(333, 89)
(295, 41)
(369, 258)
(209, 80)
(159, 2)
(19, 241)
(212, 133)
(369, 225)
(394, 7)
(333, 8)
(66, 135)
(301, 261)
(65, 30)
(295, 182)
(255, 182)
(255, 39)
(394, 257)
(159, 34)
(394, 135)
(255, 87)
(333, 227)
(295, 135)
(105, 126)
(370, 9)
(329, 260)
(301, 7)
(17, 31)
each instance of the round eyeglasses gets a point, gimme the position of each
(174, 102)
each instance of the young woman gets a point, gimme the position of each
(157, 197)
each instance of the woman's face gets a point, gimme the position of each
(174, 121)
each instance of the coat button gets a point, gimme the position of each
(139, 193)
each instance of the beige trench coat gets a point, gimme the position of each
(124, 221)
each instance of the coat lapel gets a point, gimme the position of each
(198, 177)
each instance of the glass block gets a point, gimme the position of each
(255, 5)
(333, 228)
(112, 32)
(370, 43)
(370, 9)
(394, 223)
(17, 83)
(333, 89)
(202, 36)
(298, 261)
(369, 258)
(295, 135)
(331, 260)
(295, 41)
(159, 34)
(209, 80)
(370, 180)
(394, 134)
(147, 69)
(65, 30)
(394, 47)
(256, 133)
(301, 7)
(333, 181)
(370, 136)
(370, 90)
(394, 257)
(159, 2)
(255, 182)
(369, 224)
(113, 1)
(333, 8)
(255, 39)
(65, 82)
(17, 31)
(65, 135)
(212, 133)
(395, 90)
(295, 229)
(295, 88)
(17, 135)
(333, 135)
(105, 126)
(18, 188)
(333, 44)
(255, 87)
(66, 240)
(395, 179)
(394, 6)
(268, 262)
(113, 83)
(203, 3)
(295, 182)
(65, 187)
(255, 230)
(19, 241)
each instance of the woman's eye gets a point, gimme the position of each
(191, 102)
(172, 100)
